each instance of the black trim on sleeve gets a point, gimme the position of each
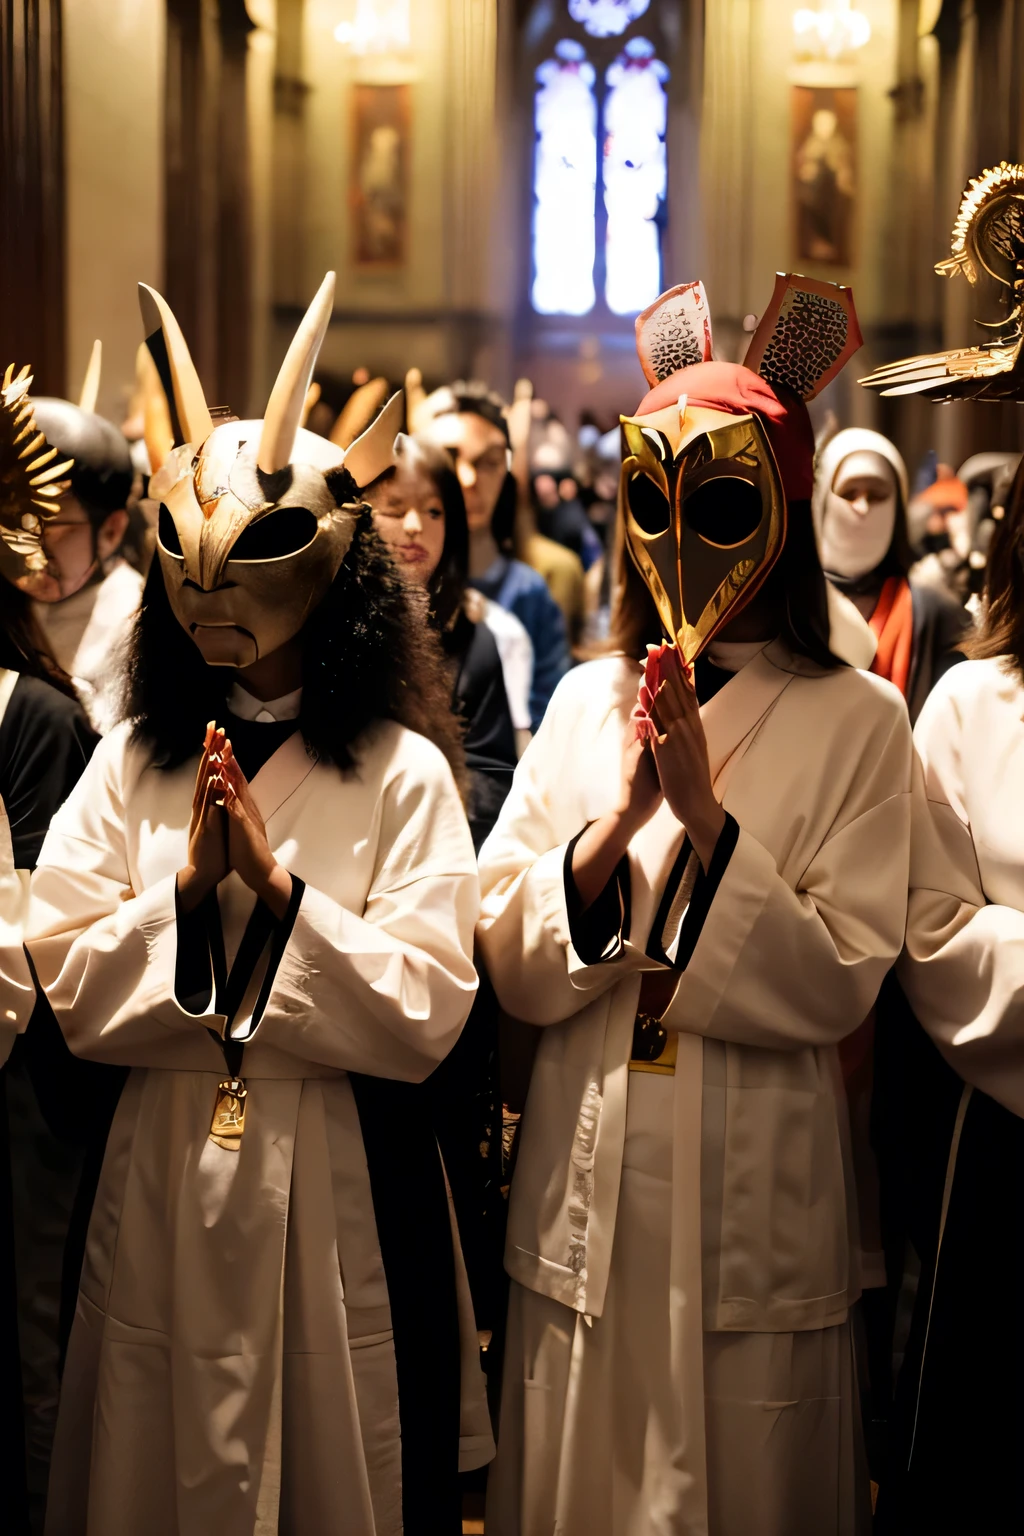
(263, 930)
(705, 889)
(598, 932)
(200, 969)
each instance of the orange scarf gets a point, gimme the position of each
(893, 624)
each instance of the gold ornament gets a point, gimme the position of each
(988, 236)
(30, 482)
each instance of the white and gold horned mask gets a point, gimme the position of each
(250, 536)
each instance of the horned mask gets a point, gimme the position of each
(701, 494)
(250, 536)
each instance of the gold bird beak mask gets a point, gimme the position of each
(704, 515)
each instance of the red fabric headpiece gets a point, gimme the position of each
(733, 388)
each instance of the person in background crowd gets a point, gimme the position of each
(860, 513)
(516, 652)
(988, 478)
(510, 636)
(561, 568)
(555, 490)
(560, 514)
(87, 599)
(957, 1111)
(470, 422)
(54, 1110)
(940, 531)
(420, 514)
(603, 453)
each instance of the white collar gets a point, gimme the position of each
(263, 711)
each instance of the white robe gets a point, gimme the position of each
(963, 967)
(231, 1367)
(809, 915)
(88, 633)
(17, 992)
(17, 989)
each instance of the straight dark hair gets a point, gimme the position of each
(447, 586)
(1001, 631)
(22, 647)
(796, 581)
(365, 657)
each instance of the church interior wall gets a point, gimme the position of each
(113, 145)
(241, 216)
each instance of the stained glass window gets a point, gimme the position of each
(606, 18)
(635, 111)
(564, 180)
(600, 116)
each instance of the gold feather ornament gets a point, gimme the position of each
(988, 237)
(30, 482)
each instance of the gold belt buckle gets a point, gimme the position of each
(228, 1122)
(654, 1047)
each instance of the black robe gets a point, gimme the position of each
(940, 625)
(951, 1460)
(479, 698)
(464, 1092)
(54, 1116)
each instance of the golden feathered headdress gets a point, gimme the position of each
(30, 482)
(988, 236)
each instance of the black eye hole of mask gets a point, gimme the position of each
(648, 504)
(280, 533)
(724, 510)
(167, 534)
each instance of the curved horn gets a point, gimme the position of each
(284, 408)
(415, 396)
(157, 432)
(91, 382)
(190, 419)
(374, 452)
(312, 398)
(358, 411)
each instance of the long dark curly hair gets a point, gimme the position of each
(365, 657)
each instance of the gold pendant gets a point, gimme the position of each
(229, 1114)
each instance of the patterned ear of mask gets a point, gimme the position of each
(806, 335)
(674, 332)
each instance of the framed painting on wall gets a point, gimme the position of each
(380, 175)
(824, 172)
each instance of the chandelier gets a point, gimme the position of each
(833, 30)
(378, 26)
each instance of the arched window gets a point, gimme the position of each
(600, 111)
(564, 177)
(635, 119)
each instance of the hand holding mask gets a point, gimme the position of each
(681, 758)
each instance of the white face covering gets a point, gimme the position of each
(859, 515)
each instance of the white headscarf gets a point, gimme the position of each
(851, 636)
(838, 448)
